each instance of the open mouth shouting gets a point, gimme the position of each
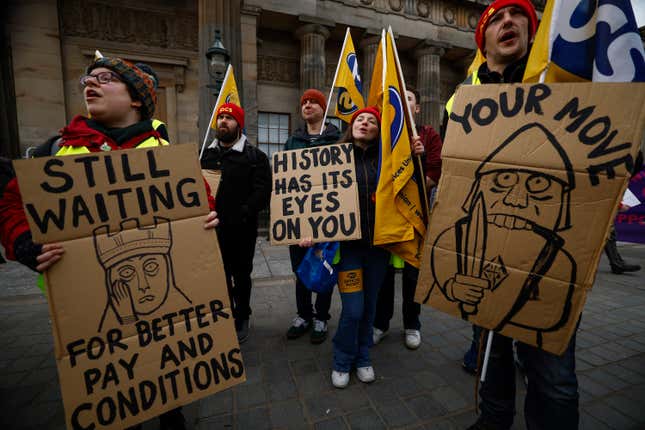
(91, 94)
(508, 37)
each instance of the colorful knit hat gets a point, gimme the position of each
(317, 96)
(233, 110)
(525, 5)
(142, 84)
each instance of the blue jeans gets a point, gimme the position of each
(354, 334)
(552, 393)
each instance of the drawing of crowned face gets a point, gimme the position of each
(515, 199)
(147, 278)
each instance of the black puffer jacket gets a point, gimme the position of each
(300, 139)
(245, 185)
(367, 180)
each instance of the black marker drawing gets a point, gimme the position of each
(512, 205)
(139, 275)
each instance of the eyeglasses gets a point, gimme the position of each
(101, 78)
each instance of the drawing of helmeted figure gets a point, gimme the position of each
(508, 244)
(139, 273)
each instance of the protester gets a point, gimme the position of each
(362, 266)
(503, 34)
(244, 190)
(120, 97)
(429, 149)
(312, 109)
(616, 262)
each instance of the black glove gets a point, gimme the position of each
(26, 250)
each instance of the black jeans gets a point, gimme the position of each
(303, 294)
(552, 393)
(238, 248)
(385, 303)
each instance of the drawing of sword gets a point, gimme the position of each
(474, 250)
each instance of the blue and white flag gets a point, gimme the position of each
(587, 40)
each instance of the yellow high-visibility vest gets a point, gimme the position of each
(472, 79)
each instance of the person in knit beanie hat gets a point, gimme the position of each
(141, 81)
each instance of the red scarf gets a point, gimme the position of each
(78, 133)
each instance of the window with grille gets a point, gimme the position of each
(337, 122)
(273, 131)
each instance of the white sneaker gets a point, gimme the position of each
(412, 338)
(365, 374)
(339, 379)
(378, 335)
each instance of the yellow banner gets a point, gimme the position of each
(348, 82)
(228, 93)
(399, 223)
(376, 83)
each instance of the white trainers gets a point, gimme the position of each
(365, 374)
(412, 338)
(378, 335)
(339, 379)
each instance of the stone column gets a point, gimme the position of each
(223, 15)
(312, 56)
(428, 57)
(369, 46)
(250, 70)
(37, 62)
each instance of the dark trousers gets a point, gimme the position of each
(238, 248)
(385, 303)
(552, 392)
(303, 294)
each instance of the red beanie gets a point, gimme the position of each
(370, 109)
(317, 96)
(233, 110)
(525, 5)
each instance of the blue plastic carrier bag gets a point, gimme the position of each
(316, 270)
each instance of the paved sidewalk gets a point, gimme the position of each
(289, 386)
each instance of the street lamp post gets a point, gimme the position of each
(218, 59)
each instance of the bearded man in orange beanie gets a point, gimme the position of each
(244, 190)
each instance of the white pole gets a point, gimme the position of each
(208, 129)
(489, 343)
(333, 83)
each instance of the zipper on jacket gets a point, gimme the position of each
(367, 187)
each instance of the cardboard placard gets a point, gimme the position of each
(531, 180)
(314, 195)
(140, 312)
(213, 178)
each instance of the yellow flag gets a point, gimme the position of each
(399, 224)
(348, 81)
(376, 83)
(228, 94)
(477, 61)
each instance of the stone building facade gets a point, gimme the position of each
(278, 48)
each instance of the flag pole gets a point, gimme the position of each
(333, 83)
(413, 127)
(210, 122)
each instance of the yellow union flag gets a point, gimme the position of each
(348, 81)
(399, 224)
(376, 82)
(228, 94)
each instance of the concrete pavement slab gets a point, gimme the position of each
(289, 384)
